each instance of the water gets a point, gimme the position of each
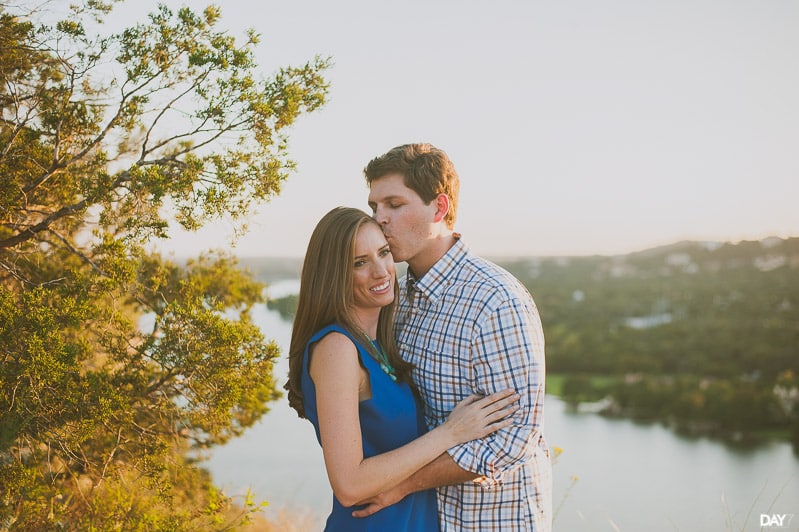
(629, 476)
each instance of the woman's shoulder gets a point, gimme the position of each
(335, 340)
(334, 354)
(327, 330)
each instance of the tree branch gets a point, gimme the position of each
(163, 111)
(77, 252)
(32, 231)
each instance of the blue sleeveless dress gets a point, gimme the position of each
(390, 419)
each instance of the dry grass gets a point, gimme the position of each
(283, 519)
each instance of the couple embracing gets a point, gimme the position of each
(426, 393)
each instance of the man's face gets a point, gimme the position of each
(406, 220)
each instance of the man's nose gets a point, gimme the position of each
(380, 215)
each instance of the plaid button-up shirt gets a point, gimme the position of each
(471, 327)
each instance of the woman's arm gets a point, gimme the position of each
(337, 374)
(443, 471)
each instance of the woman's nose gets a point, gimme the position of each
(380, 269)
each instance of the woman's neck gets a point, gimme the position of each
(367, 321)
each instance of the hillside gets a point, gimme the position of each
(710, 309)
(704, 336)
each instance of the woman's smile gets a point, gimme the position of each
(381, 288)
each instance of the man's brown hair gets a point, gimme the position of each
(426, 170)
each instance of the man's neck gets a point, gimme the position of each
(421, 264)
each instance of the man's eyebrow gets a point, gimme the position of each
(389, 198)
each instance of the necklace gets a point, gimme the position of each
(382, 357)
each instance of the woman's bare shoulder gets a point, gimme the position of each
(336, 356)
(333, 345)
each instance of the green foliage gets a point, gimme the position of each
(117, 367)
(579, 388)
(724, 311)
(286, 306)
(695, 334)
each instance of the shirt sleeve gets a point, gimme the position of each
(507, 352)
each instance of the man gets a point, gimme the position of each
(468, 326)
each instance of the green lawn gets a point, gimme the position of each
(554, 383)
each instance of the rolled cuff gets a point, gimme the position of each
(479, 460)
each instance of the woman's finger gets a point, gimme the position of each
(499, 401)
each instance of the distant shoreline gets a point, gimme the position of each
(768, 241)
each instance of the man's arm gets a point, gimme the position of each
(507, 352)
(443, 471)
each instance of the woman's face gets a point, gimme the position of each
(373, 273)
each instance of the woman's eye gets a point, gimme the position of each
(384, 252)
(359, 263)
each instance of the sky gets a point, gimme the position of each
(577, 127)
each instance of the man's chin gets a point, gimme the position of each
(397, 255)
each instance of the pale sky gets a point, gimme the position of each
(577, 126)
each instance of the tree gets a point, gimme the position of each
(104, 141)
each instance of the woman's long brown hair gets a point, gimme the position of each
(326, 296)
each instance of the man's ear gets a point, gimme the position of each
(442, 207)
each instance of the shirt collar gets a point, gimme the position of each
(433, 283)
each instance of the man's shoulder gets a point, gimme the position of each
(486, 275)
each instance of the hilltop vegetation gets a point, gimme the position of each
(703, 335)
(688, 308)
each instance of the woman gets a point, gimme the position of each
(346, 377)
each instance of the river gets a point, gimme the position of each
(613, 474)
